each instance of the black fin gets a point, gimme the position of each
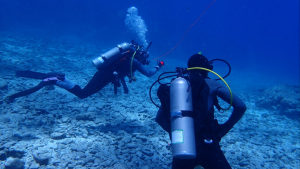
(30, 74)
(37, 75)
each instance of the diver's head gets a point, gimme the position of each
(142, 57)
(198, 60)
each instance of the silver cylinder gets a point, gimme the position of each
(104, 60)
(182, 127)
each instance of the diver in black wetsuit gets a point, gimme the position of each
(115, 74)
(204, 90)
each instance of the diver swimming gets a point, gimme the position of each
(113, 66)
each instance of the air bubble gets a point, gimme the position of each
(136, 24)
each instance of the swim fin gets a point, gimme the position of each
(38, 75)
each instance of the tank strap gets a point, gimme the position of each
(187, 113)
(50, 78)
(182, 113)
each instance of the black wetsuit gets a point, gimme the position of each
(209, 156)
(100, 79)
(103, 77)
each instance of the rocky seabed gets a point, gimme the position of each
(53, 129)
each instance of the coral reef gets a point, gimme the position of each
(283, 99)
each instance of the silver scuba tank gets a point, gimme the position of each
(182, 122)
(104, 60)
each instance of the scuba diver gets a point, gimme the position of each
(113, 66)
(187, 114)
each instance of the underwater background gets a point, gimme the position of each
(53, 129)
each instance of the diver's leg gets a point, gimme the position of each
(99, 80)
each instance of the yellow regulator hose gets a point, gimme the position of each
(220, 78)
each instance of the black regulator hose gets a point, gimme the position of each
(211, 61)
(148, 46)
(159, 83)
(159, 77)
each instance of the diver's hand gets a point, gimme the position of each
(220, 130)
(159, 64)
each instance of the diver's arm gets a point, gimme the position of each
(142, 69)
(238, 105)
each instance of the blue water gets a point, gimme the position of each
(260, 39)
